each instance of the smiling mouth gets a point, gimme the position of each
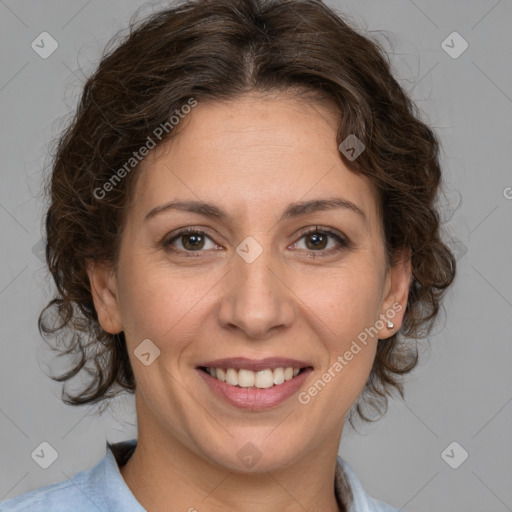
(261, 379)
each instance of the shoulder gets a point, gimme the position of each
(98, 488)
(58, 497)
(361, 500)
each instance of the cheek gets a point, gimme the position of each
(158, 304)
(347, 303)
(342, 311)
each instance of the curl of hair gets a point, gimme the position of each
(219, 50)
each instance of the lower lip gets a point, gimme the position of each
(255, 398)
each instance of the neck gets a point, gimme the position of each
(163, 474)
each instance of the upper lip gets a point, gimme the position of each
(255, 364)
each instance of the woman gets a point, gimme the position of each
(243, 233)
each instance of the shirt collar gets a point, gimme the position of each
(119, 496)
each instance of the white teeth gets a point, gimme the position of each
(278, 376)
(245, 378)
(232, 377)
(262, 379)
(288, 373)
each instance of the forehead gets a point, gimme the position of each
(252, 154)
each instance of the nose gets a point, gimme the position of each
(257, 299)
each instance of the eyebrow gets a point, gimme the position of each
(291, 211)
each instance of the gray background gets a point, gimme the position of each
(462, 389)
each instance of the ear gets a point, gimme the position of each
(102, 279)
(396, 293)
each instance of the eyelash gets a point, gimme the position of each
(343, 242)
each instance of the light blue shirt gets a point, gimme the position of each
(103, 489)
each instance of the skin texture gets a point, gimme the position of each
(251, 157)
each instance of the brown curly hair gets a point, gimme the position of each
(214, 50)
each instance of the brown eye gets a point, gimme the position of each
(189, 241)
(193, 241)
(321, 242)
(316, 240)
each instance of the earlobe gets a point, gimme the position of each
(399, 280)
(103, 284)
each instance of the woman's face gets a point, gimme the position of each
(248, 284)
